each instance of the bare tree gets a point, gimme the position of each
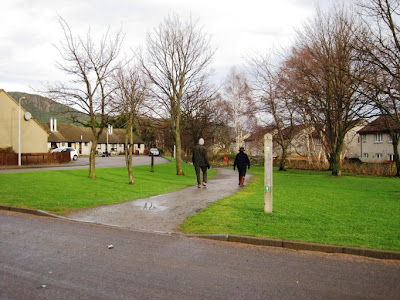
(131, 94)
(268, 85)
(90, 67)
(175, 62)
(326, 74)
(379, 48)
(199, 116)
(237, 93)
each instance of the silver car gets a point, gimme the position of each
(154, 152)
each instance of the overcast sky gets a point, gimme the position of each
(29, 30)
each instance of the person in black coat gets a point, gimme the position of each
(242, 162)
(200, 162)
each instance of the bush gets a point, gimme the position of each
(6, 150)
(353, 166)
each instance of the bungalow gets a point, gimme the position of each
(376, 143)
(80, 138)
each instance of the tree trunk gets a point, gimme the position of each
(335, 163)
(396, 156)
(283, 160)
(179, 170)
(92, 160)
(129, 151)
(130, 156)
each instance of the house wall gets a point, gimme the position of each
(33, 136)
(351, 148)
(119, 148)
(372, 150)
(83, 148)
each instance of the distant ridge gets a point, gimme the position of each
(42, 109)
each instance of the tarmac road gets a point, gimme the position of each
(83, 162)
(50, 258)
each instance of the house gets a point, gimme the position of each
(80, 138)
(351, 145)
(376, 144)
(307, 142)
(12, 121)
(254, 143)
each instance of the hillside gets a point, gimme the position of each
(43, 108)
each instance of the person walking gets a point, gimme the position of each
(200, 162)
(241, 162)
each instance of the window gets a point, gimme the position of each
(390, 140)
(378, 138)
(391, 157)
(365, 155)
(378, 155)
(364, 138)
(98, 146)
(86, 143)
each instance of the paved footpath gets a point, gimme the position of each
(162, 213)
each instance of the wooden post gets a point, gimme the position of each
(152, 163)
(268, 165)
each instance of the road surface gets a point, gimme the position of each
(49, 258)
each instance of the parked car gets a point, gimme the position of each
(154, 152)
(72, 151)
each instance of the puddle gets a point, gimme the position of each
(150, 205)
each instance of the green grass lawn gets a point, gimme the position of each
(312, 206)
(62, 191)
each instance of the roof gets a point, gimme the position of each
(73, 133)
(379, 125)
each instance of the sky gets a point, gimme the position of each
(29, 30)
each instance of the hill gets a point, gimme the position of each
(43, 108)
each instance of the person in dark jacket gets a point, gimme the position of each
(200, 162)
(242, 162)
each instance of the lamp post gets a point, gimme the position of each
(19, 130)
(109, 131)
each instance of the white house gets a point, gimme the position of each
(80, 138)
(376, 144)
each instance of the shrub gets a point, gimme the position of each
(6, 150)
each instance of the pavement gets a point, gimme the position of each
(164, 213)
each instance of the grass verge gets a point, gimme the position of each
(311, 206)
(62, 191)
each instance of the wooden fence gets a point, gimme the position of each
(11, 159)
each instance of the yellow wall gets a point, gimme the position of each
(33, 136)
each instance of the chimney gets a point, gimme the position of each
(51, 124)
